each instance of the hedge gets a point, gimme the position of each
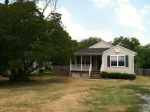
(118, 75)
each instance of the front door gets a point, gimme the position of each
(94, 64)
(99, 63)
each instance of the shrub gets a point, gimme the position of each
(104, 74)
(118, 75)
(129, 76)
(49, 67)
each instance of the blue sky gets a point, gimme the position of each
(106, 19)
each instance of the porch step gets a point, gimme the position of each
(95, 75)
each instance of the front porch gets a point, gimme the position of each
(84, 66)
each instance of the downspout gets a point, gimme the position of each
(134, 54)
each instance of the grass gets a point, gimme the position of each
(66, 94)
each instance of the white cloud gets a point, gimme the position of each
(101, 3)
(78, 32)
(123, 1)
(145, 10)
(127, 15)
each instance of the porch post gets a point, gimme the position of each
(90, 60)
(81, 62)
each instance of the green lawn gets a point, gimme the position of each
(64, 94)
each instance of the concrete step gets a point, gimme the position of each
(95, 75)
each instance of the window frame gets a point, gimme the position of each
(118, 61)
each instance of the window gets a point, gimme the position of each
(121, 61)
(113, 60)
(117, 60)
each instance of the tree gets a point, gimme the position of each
(126, 42)
(46, 4)
(85, 43)
(142, 59)
(60, 40)
(23, 39)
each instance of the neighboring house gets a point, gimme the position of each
(100, 57)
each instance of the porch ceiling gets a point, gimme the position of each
(92, 51)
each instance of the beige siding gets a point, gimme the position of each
(100, 45)
(118, 69)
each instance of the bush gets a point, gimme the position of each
(118, 75)
(49, 67)
(104, 74)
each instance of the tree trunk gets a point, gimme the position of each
(18, 76)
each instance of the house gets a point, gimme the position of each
(89, 63)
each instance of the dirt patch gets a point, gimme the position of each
(118, 108)
(17, 97)
(68, 103)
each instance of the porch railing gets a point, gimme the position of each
(77, 67)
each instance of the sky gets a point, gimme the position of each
(105, 19)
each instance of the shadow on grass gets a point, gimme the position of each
(142, 89)
(34, 81)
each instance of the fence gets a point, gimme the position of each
(141, 71)
(61, 70)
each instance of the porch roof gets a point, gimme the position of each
(91, 51)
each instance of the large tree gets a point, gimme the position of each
(60, 40)
(23, 39)
(142, 59)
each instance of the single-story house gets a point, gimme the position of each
(89, 63)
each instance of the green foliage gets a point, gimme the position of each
(104, 74)
(27, 37)
(126, 42)
(60, 41)
(85, 43)
(142, 59)
(49, 67)
(118, 75)
(23, 38)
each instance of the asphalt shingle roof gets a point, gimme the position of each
(91, 51)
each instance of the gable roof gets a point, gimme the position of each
(122, 48)
(101, 42)
(91, 51)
